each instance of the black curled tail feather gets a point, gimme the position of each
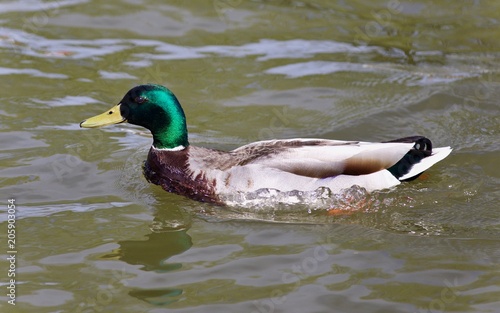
(421, 149)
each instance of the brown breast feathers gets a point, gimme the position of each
(170, 170)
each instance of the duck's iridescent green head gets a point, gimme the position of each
(153, 107)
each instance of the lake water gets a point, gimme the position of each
(93, 236)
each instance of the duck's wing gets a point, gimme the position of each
(320, 158)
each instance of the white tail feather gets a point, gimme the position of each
(437, 155)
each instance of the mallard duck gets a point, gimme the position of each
(208, 175)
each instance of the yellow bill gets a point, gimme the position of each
(112, 116)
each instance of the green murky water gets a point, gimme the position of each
(94, 236)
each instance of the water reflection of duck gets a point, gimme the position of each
(292, 164)
(153, 254)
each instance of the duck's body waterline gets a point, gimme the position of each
(294, 164)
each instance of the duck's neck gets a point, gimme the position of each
(169, 130)
(170, 140)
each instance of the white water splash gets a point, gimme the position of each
(321, 198)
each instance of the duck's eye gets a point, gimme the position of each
(140, 100)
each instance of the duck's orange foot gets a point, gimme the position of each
(424, 176)
(351, 206)
(340, 212)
